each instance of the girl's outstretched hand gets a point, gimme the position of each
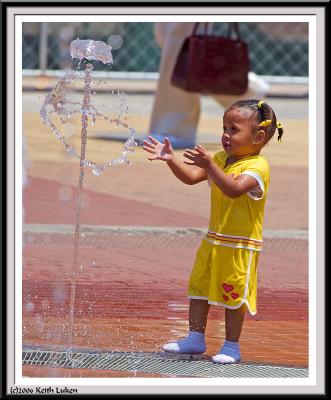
(198, 156)
(161, 151)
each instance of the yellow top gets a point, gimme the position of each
(238, 222)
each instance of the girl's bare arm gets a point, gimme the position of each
(185, 173)
(231, 186)
(189, 174)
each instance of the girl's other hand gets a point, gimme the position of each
(198, 156)
(161, 151)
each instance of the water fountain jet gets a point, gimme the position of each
(56, 103)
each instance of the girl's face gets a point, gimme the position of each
(237, 138)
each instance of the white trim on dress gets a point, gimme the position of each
(235, 246)
(198, 297)
(233, 307)
(234, 237)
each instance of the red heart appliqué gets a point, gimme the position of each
(227, 287)
(225, 297)
(234, 295)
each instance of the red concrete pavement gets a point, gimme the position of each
(130, 291)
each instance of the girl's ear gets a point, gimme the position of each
(259, 137)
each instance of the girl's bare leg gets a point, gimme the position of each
(198, 313)
(234, 320)
(195, 342)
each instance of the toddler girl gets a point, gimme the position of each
(225, 269)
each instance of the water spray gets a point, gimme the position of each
(56, 104)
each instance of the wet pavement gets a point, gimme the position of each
(130, 296)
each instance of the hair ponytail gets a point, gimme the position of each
(280, 131)
(265, 117)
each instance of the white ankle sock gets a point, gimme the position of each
(194, 343)
(229, 353)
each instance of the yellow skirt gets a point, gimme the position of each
(225, 276)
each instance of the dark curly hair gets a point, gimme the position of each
(261, 112)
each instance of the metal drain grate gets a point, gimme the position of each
(183, 365)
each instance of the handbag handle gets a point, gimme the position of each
(234, 25)
(196, 28)
(231, 26)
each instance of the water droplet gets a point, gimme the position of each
(29, 307)
(115, 41)
(96, 171)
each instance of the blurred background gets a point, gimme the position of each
(276, 49)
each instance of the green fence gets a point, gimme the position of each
(276, 49)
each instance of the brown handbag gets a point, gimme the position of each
(212, 64)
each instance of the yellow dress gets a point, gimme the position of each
(225, 268)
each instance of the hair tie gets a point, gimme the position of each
(259, 104)
(267, 122)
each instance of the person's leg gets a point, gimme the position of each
(175, 112)
(234, 320)
(198, 314)
(230, 351)
(195, 342)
